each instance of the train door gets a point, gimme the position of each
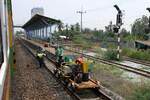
(1, 45)
(4, 70)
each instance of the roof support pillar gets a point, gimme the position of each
(43, 33)
(38, 33)
(50, 31)
(46, 31)
(35, 33)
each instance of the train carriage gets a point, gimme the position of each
(6, 48)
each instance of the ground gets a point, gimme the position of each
(110, 78)
(30, 83)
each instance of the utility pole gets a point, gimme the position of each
(117, 27)
(81, 12)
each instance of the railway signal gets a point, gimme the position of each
(149, 17)
(117, 27)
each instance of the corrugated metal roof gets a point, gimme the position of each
(45, 20)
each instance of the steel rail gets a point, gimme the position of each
(99, 92)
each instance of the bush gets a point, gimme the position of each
(110, 55)
(142, 55)
(79, 39)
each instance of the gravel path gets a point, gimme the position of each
(30, 83)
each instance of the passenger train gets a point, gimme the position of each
(6, 48)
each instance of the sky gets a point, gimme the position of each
(98, 12)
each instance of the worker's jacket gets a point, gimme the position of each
(59, 52)
(40, 55)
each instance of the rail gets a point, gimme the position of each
(51, 58)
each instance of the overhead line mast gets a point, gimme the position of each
(81, 12)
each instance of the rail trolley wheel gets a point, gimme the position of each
(71, 86)
(55, 71)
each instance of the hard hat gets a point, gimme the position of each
(79, 60)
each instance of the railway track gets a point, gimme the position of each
(138, 61)
(99, 93)
(109, 62)
(122, 66)
(146, 63)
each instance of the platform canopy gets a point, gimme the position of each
(39, 21)
(41, 27)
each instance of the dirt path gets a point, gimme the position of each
(30, 83)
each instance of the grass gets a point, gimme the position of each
(108, 69)
(142, 92)
(141, 55)
(110, 77)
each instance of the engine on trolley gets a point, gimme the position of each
(76, 73)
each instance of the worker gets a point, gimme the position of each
(59, 55)
(61, 51)
(40, 56)
(78, 70)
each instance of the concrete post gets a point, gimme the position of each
(43, 32)
(46, 32)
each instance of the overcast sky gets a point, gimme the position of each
(99, 12)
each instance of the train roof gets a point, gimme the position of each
(144, 42)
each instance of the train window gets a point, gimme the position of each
(1, 46)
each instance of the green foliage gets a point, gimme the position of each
(130, 37)
(99, 35)
(124, 32)
(110, 34)
(139, 26)
(77, 27)
(110, 55)
(79, 39)
(142, 55)
(19, 32)
(141, 93)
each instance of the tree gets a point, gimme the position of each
(98, 34)
(60, 26)
(19, 32)
(124, 32)
(139, 26)
(77, 27)
(109, 30)
(87, 30)
(72, 28)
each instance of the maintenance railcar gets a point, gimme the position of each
(76, 75)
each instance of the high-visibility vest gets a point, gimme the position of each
(40, 55)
